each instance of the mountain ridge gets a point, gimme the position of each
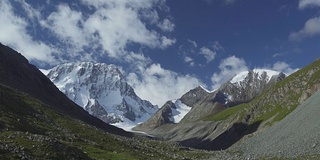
(204, 104)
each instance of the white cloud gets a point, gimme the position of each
(159, 85)
(190, 50)
(310, 29)
(65, 24)
(189, 60)
(229, 67)
(284, 67)
(110, 28)
(14, 33)
(31, 12)
(166, 25)
(165, 42)
(210, 52)
(308, 3)
(207, 53)
(194, 43)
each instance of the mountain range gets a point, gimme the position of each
(258, 114)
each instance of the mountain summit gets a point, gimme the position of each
(102, 91)
(246, 85)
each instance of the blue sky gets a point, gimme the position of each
(166, 47)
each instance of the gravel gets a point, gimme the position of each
(296, 135)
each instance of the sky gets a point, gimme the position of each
(164, 48)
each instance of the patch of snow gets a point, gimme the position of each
(45, 71)
(270, 73)
(207, 89)
(180, 111)
(242, 75)
(229, 98)
(239, 77)
(128, 124)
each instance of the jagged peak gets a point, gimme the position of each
(80, 68)
(242, 75)
(87, 83)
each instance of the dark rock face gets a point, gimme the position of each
(160, 118)
(209, 104)
(193, 96)
(16, 72)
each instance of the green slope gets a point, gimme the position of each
(30, 129)
(277, 102)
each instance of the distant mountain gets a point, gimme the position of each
(199, 102)
(246, 85)
(193, 129)
(102, 91)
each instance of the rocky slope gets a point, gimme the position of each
(272, 105)
(294, 136)
(102, 91)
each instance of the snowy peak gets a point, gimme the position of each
(248, 84)
(262, 74)
(102, 91)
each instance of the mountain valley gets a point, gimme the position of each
(257, 114)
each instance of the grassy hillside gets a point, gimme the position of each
(30, 129)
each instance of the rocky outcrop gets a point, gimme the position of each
(209, 104)
(161, 117)
(194, 96)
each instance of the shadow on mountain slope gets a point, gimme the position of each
(224, 140)
(16, 72)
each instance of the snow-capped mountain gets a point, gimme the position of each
(248, 84)
(102, 91)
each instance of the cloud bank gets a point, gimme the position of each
(107, 27)
(308, 3)
(229, 67)
(15, 33)
(311, 27)
(190, 50)
(159, 85)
